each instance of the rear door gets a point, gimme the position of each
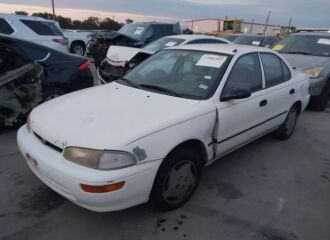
(242, 120)
(279, 89)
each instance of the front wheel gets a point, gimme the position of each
(286, 130)
(177, 179)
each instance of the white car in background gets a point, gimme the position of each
(148, 135)
(121, 59)
(78, 40)
(34, 29)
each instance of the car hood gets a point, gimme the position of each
(109, 116)
(303, 61)
(118, 55)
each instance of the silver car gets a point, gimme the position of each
(310, 53)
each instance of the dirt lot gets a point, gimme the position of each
(269, 190)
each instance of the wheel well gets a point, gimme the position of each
(195, 145)
(78, 41)
(298, 105)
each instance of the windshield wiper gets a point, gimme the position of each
(160, 89)
(303, 53)
(129, 82)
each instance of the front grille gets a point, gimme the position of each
(45, 142)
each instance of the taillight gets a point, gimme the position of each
(85, 66)
(62, 41)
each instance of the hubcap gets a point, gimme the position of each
(78, 50)
(179, 182)
(291, 121)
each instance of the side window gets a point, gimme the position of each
(273, 69)
(205, 41)
(9, 60)
(43, 28)
(246, 74)
(5, 28)
(286, 71)
(274, 40)
(267, 42)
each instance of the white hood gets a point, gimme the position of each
(118, 55)
(108, 116)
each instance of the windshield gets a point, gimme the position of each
(230, 37)
(305, 44)
(183, 73)
(249, 40)
(163, 43)
(134, 30)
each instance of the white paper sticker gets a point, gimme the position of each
(210, 60)
(202, 86)
(257, 43)
(170, 44)
(208, 77)
(324, 41)
(139, 30)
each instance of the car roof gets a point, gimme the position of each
(22, 17)
(154, 23)
(188, 37)
(325, 34)
(230, 49)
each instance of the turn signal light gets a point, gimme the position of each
(102, 189)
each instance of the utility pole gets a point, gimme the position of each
(267, 20)
(290, 22)
(53, 7)
(252, 25)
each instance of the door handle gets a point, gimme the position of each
(292, 91)
(263, 103)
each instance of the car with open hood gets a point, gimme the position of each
(120, 59)
(148, 135)
(131, 35)
(310, 53)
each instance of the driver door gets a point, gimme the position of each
(241, 120)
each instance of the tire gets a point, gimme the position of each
(52, 93)
(320, 103)
(177, 179)
(286, 130)
(78, 48)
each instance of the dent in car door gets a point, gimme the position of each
(242, 120)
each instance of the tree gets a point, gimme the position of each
(91, 23)
(128, 21)
(45, 15)
(21, 13)
(109, 24)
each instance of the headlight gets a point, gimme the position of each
(98, 159)
(314, 72)
(28, 124)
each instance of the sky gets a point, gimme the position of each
(304, 13)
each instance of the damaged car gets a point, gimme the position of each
(120, 60)
(20, 87)
(131, 35)
(63, 73)
(147, 136)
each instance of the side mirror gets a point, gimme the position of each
(236, 94)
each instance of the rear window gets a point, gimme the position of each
(5, 27)
(43, 28)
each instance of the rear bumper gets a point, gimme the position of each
(65, 177)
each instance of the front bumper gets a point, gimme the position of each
(316, 86)
(65, 177)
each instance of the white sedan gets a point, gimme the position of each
(148, 135)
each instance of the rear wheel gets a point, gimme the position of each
(177, 179)
(78, 48)
(286, 130)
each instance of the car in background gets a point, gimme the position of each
(148, 135)
(120, 60)
(34, 29)
(310, 53)
(131, 35)
(63, 72)
(77, 40)
(256, 40)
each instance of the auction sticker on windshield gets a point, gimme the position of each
(139, 30)
(170, 44)
(278, 47)
(324, 41)
(210, 60)
(257, 43)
